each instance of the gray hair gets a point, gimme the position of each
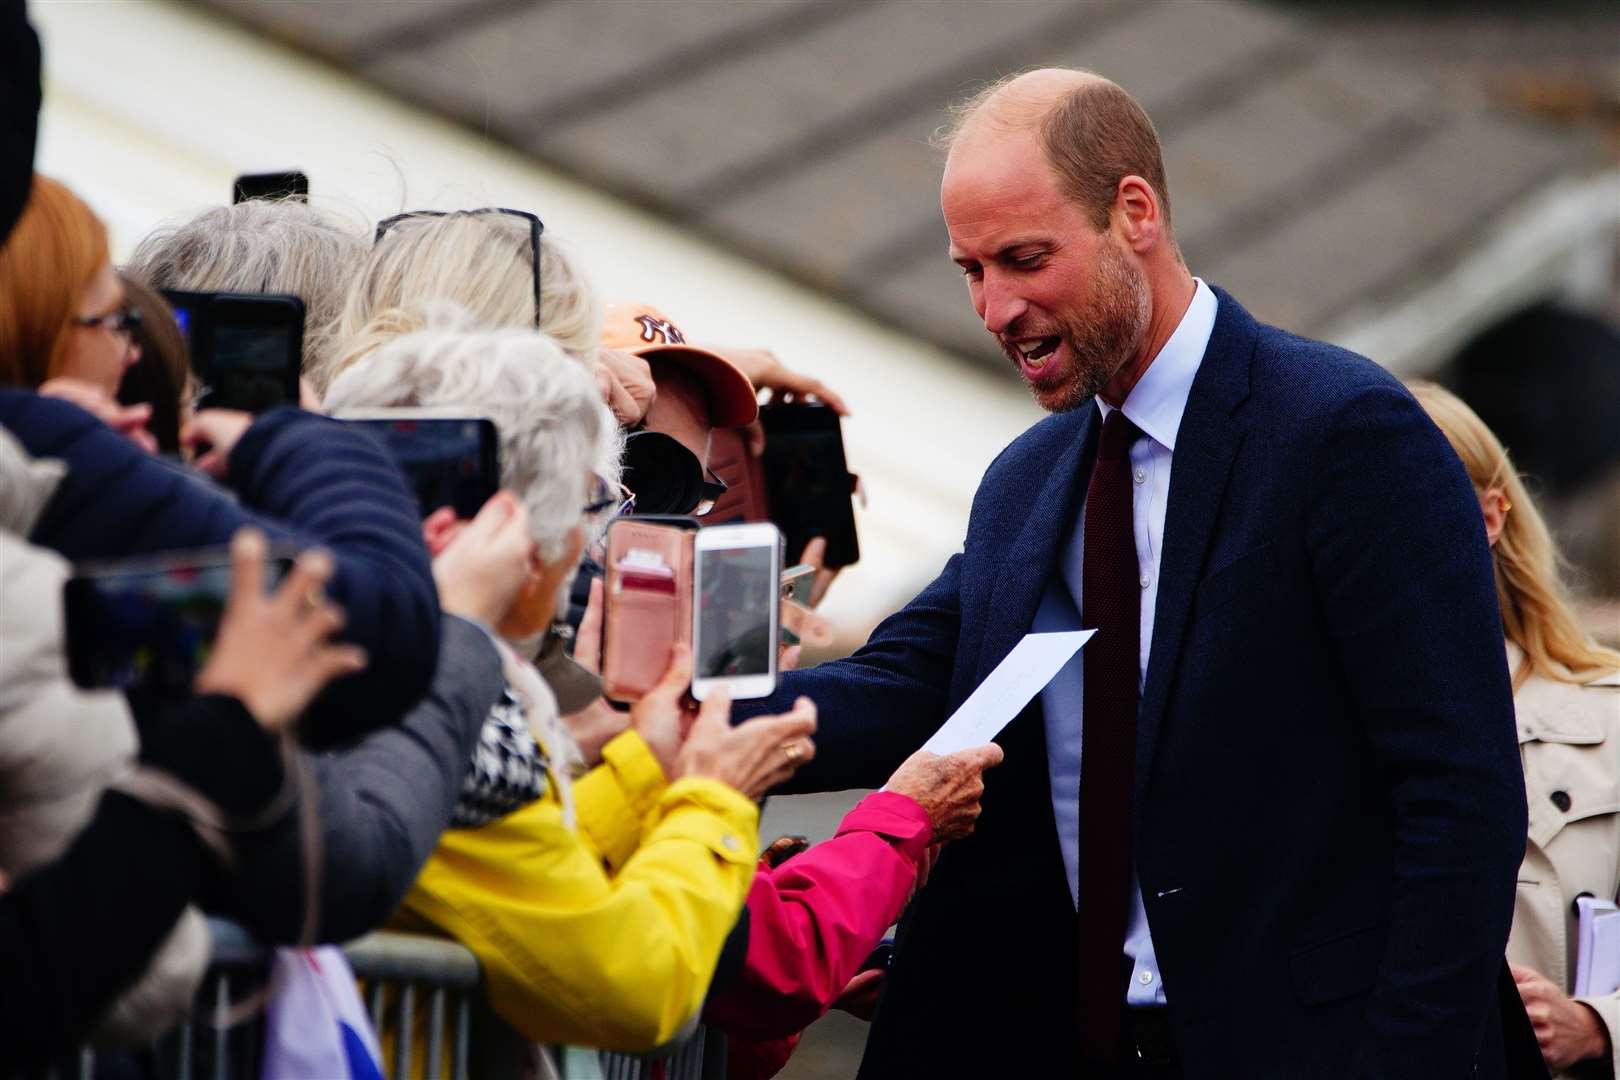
(554, 428)
(484, 263)
(261, 246)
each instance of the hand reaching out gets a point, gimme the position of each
(947, 787)
(273, 651)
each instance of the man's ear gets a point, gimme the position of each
(1138, 213)
(440, 528)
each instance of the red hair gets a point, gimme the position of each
(57, 248)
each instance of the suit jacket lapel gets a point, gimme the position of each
(1031, 556)
(1206, 445)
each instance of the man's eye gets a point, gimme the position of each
(971, 271)
(1027, 262)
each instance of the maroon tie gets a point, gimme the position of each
(1111, 603)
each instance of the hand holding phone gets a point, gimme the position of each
(273, 652)
(752, 757)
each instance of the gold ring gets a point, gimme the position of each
(791, 749)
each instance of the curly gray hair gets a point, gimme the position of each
(261, 246)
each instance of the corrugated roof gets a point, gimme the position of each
(1306, 175)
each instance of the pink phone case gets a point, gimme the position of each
(648, 588)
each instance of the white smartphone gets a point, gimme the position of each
(736, 614)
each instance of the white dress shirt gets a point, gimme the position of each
(1155, 406)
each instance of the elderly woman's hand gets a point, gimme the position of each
(598, 723)
(752, 757)
(947, 787)
(483, 567)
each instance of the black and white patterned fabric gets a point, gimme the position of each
(509, 769)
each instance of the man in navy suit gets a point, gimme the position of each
(1267, 823)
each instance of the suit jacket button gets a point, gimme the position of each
(1560, 799)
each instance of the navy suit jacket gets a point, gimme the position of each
(1329, 812)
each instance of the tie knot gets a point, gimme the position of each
(1118, 433)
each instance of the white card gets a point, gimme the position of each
(1006, 690)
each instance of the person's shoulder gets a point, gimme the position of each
(1581, 708)
(37, 419)
(1317, 377)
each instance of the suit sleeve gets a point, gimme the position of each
(1404, 576)
(876, 707)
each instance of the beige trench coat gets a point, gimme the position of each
(1569, 742)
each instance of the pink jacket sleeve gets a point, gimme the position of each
(815, 918)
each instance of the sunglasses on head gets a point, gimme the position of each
(536, 227)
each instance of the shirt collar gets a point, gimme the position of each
(1159, 398)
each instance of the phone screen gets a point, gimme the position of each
(150, 627)
(249, 366)
(737, 589)
(449, 461)
(246, 348)
(809, 480)
(274, 185)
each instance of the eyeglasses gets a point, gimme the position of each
(126, 320)
(536, 227)
(606, 495)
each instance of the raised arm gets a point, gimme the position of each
(305, 480)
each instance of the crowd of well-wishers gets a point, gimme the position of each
(406, 680)
(395, 737)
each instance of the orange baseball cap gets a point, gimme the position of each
(643, 330)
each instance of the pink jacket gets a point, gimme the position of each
(814, 919)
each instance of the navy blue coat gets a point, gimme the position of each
(1329, 813)
(306, 481)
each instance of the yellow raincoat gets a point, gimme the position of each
(608, 934)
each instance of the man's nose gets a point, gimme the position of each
(1000, 306)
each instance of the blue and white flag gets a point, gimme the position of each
(315, 1024)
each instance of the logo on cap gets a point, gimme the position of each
(655, 329)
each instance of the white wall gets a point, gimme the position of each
(152, 108)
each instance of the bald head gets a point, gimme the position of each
(1092, 134)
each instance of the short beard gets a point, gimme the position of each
(1103, 337)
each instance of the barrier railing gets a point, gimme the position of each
(398, 970)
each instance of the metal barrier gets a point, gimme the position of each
(393, 966)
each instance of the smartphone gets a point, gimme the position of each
(150, 623)
(797, 582)
(450, 458)
(247, 349)
(270, 185)
(880, 958)
(736, 609)
(810, 488)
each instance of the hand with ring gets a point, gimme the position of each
(752, 757)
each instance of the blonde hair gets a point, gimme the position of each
(482, 262)
(56, 249)
(1536, 614)
(261, 246)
